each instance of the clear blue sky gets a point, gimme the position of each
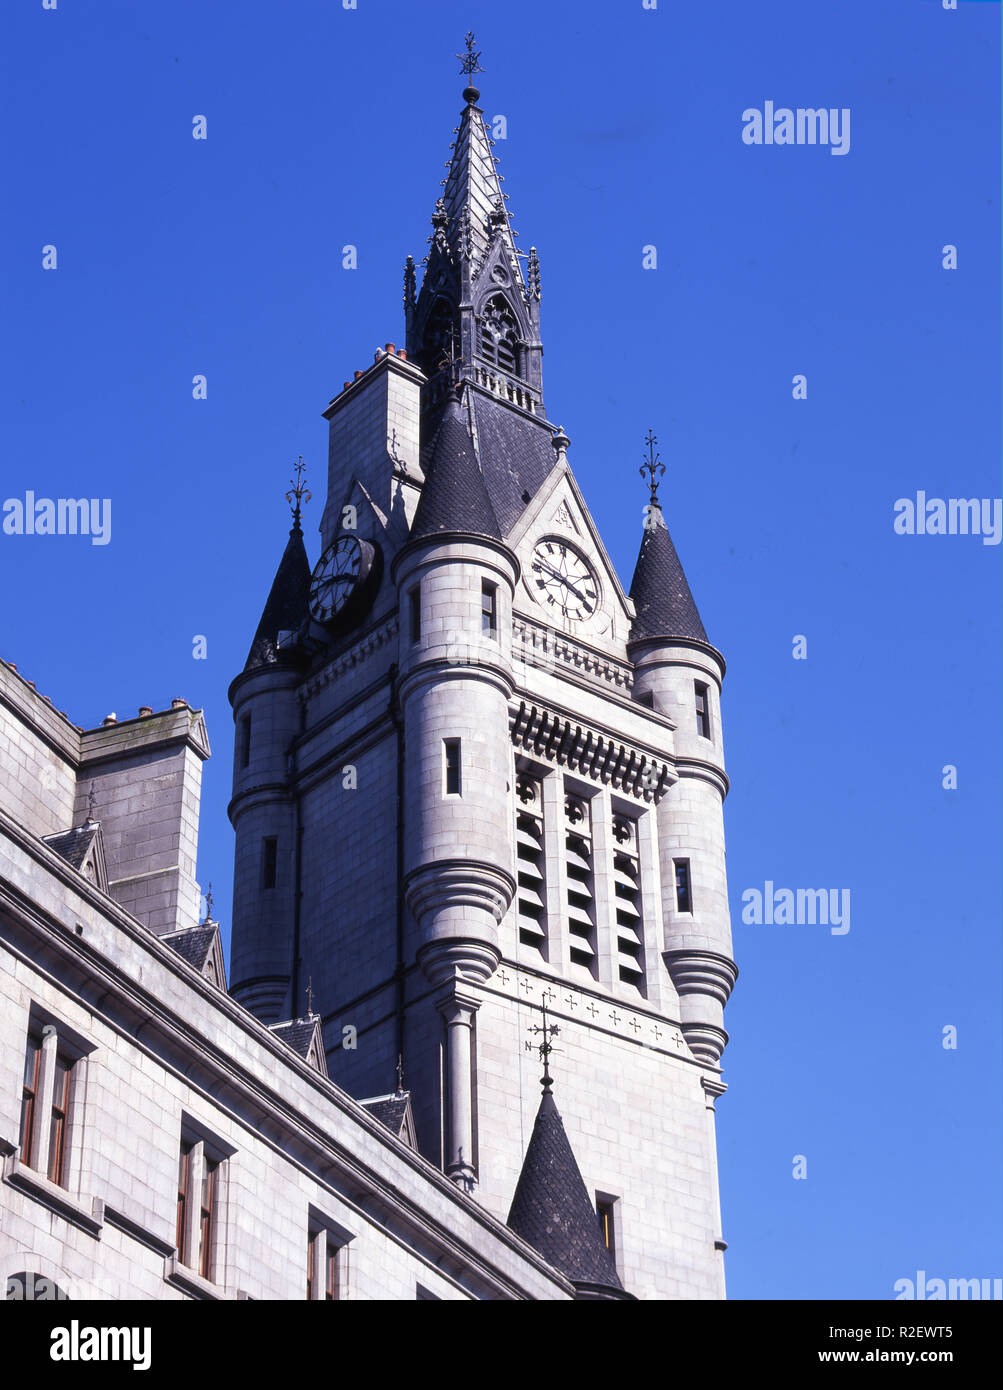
(222, 257)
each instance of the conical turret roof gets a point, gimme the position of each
(551, 1207)
(286, 606)
(455, 497)
(665, 606)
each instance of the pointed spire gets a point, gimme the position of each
(551, 1208)
(662, 598)
(455, 497)
(286, 606)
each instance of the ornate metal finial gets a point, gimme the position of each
(544, 1047)
(208, 901)
(309, 996)
(91, 801)
(470, 63)
(410, 284)
(299, 491)
(400, 1074)
(653, 466)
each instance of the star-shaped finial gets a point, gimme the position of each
(299, 491)
(653, 466)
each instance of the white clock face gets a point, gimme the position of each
(563, 581)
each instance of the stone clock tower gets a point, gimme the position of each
(475, 777)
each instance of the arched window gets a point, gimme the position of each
(498, 336)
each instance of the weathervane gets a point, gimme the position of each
(653, 466)
(469, 61)
(544, 1047)
(299, 490)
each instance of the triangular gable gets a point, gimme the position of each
(214, 969)
(559, 509)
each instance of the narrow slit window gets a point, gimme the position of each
(269, 861)
(453, 766)
(414, 613)
(703, 710)
(684, 899)
(245, 740)
(607, 1227)
(489, 609)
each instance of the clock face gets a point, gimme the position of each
(563, 580)
(339, 575)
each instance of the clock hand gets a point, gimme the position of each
(565, 581)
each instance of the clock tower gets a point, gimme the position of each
(475, 777)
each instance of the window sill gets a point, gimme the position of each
(188, 1281)
(88, 1217)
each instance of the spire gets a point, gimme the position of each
(286, 606)
(473, 282)
(661, 595)
(551, 1207)
(454, 498)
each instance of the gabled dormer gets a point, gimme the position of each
(202, 947)
(83, 848)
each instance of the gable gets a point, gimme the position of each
(556, 531)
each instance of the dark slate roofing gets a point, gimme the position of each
(287, 602)
(298, 1033)
(661, 595)
(390, 1111)
(551, 1208)
(194, 943)
(516, 456)
(454, 497)
(74, 845)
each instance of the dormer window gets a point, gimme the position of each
(498, 338)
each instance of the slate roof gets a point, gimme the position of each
(472, 187)
(390, 1111)
(516, 455)
(661, 595)
(74, 845)
(455, 497)
(551, 1207)
(193, 944)
(298, 1033)
(286, 606)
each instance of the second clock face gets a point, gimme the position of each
(563, 580)
(339, 577)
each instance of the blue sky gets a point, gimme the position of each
(223, 257)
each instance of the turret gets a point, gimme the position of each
(263, 810)
(679, 674)
(455, 580)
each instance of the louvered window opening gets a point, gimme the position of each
(581, 884)
(531, 900)
(629, 917)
